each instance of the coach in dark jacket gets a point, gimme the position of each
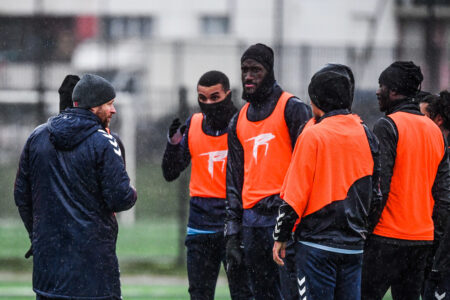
(70, 182)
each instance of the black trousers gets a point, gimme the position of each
(205, 254)
(399, 267)
(438, 288)
(269, 281)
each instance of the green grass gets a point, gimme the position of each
(148, 247)
(21, 290)
(145, 247)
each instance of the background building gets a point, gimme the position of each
(154, 51)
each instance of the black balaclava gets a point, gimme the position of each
(332, 87)
(264, 55)
(403, 77)
(218, 114)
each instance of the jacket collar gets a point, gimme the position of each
(334, 113)
(404, 105)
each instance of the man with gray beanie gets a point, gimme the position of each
(415, 187)
(70, 183)
(261, 137)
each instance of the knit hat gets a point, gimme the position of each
(262, 54)
(91, 91)
(332, 87)
(65, 91)
(404, 77)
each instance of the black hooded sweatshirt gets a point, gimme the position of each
(264, 212)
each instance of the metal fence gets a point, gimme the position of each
(151, 88)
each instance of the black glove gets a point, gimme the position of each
(65, 91)
(434, 275)
(29, 252)
(234, 251)
(174, 127)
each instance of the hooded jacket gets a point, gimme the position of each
(70, 182)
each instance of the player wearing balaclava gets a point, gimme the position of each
(260, 142)
(414, 186)
(203, 141)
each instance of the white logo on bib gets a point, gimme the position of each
(215, 156)
(261, 140)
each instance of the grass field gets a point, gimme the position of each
(146, 251)
(133, 288)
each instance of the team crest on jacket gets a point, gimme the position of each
(261, 140)
(112, 141)
(215, 156)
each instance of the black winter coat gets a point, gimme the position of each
(70, 182)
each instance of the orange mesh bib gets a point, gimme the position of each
(209, 161)
(328, 159)
(267, 153)
(408, 210)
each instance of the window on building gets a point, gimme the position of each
(128, 27)
(215, 25)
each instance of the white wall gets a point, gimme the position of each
(319, 22)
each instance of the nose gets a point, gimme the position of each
(208, 101)
(113, 109)
(248, 75)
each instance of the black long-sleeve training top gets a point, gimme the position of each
(264, 212)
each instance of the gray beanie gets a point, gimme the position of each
(91, 91)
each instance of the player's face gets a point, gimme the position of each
(211, 94)
(317, 113)
(253, 74)
(105, 112)
(383, 97)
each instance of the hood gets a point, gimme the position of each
(71, 127)
(332, 87)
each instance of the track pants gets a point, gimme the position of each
(399, 267)
(269, 281)
(438, 289)
(326, 275)
(205, 254)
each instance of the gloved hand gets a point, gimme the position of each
(175, 131)
(65, 91)
(234, 252)
(434, 275)
(29, 252)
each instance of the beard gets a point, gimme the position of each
(104, 117)
(262, 91)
